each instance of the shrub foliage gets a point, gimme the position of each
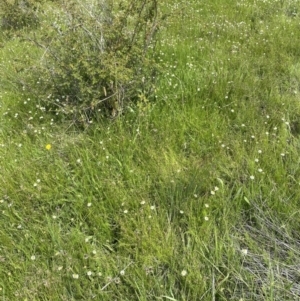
(97, 55)
(16, 14)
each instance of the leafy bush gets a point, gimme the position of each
(97, 55)
(16, 14)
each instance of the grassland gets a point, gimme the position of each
(194, 196)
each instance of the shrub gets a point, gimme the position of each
(16, 14)
(97, 56)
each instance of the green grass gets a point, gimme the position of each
(192, 197)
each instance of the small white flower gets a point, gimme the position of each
(152, 207)
(206, 205)
(206, 218)
(89, 204)
(75, 276)
(59, 268)
(181, 211)
(216, 188)
(122, 273)
(212, 192)
(252, 178)
(244, 251)
(260, 170)
(94, 252)
(259, 151)
(183, 273)
(32, 257)
(143, 202)
(125, 211)
(89, 273)
(282, 154)
(256, 160)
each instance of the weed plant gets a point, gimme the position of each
(193, 196)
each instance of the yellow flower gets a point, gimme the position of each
(48, 146)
